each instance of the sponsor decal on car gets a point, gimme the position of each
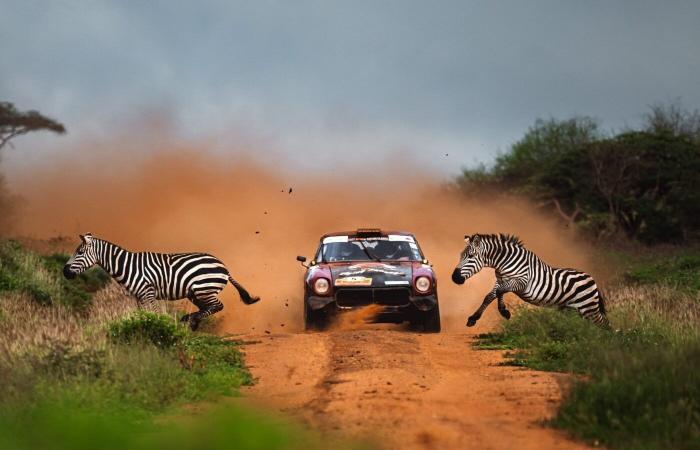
(372, 268)
(353, 281)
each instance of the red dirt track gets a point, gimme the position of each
(405, 390)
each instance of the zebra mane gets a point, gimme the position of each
(503, 238)
(108, 242)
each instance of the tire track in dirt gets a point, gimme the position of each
(406, 390)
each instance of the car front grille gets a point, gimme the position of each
(352, 297)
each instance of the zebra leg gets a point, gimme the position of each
(471, 321)
(502, 305)
(186, 317)
(208, 304)
(146, 300)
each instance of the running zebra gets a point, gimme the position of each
(165, 276)
(520, 271)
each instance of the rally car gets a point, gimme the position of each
(352, 269)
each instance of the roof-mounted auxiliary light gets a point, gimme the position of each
(369, 232)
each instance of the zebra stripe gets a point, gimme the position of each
(520, 271)
(152, 276)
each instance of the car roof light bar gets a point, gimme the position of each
(369, 232)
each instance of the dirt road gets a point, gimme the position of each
(405, 389)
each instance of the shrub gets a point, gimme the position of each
(142, 326)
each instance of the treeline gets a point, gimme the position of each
(643, 183)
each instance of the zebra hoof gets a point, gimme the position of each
(505, 313)
(253, 300)
(471, 322)
(194, 323)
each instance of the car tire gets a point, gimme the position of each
(431, 320)
(314, 320)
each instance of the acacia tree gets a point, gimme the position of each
(14, 123)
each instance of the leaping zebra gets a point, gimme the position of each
(159, 276)
(520, 271)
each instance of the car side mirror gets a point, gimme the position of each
(302, 260)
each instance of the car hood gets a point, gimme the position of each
(372, 274)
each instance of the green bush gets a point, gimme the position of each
(142, 326)
(642, 388)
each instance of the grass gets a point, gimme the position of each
(681, 271)
(23, 271)
(82, 368)
(641, 388)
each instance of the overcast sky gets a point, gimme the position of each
(317, 80)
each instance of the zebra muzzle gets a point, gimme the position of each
(457, 276)
(68, 273)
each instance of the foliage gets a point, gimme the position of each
(644, 183)
(41, 277)
(680, 271)
(673, 119)
(143, 326)
(14, 123)
(65, 426)
(642, 382)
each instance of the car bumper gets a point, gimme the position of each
(390, 303)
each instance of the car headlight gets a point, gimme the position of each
(423, 284)
(321, 286)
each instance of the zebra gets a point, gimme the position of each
(520, 271)
(151, 276)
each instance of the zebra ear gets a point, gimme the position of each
(466, 239)
(86, 238)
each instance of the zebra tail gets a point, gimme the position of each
(245, 296)
(605, 323)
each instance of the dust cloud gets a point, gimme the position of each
(241, 210)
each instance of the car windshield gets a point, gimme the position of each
(370, 250)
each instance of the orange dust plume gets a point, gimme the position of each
(257, 218)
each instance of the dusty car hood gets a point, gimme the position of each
(372, 274)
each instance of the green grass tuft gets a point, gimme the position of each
(41, 277)
(642, 384)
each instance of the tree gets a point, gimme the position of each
(673, 119)
(644, 183)
(14, 123)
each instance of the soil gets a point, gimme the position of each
(405, 389)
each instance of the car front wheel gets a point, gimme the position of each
(431, 320)
(314, 319)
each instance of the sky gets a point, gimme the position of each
(313, 84)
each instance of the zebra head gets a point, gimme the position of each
(471, 260)
(85, 256)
